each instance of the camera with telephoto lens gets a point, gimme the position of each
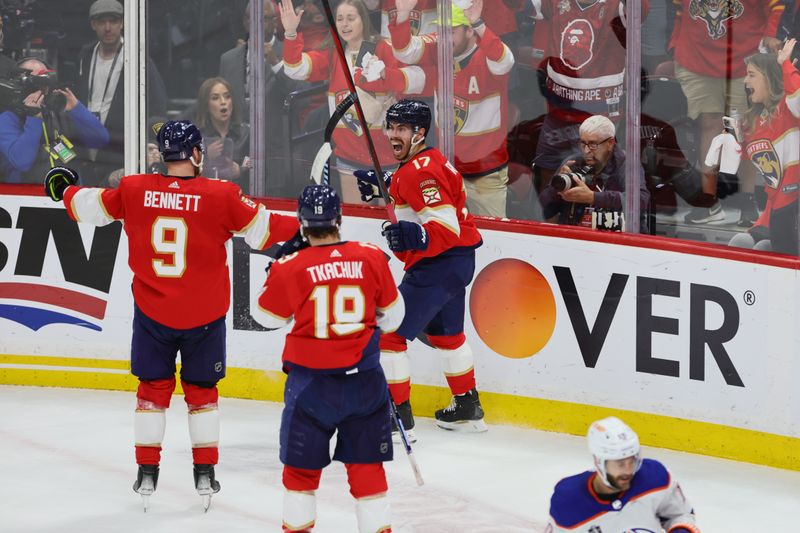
(15, 89)
(566, 181)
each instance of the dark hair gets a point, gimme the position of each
(321, 233)
(203, 117)
(766, 64)
(370, 34)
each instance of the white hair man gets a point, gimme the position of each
(589, 189)
(623, 493)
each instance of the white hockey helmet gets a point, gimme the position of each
(611, 439)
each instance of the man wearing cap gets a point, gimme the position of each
(482, 65)
(101, 84)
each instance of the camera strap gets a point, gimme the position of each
(108, 78)
(60, 148)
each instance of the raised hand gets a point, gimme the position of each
(57, 180)
(290, 19)
(368, 184)
(473, 12)
(404, 8)
(786, 52)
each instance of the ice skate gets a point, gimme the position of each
(463, 414)
(404, 410)
(146, 482)
(205, 483)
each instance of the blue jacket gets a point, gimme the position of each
(21, 140)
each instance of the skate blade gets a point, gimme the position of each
(464, 426)
(397, 439)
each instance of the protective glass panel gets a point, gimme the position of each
(63, 105)
(721, 164)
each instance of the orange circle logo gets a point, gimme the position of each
(513, 308)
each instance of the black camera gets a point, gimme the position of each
(15, 89)
(566, 181)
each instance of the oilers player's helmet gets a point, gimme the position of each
(412, 112)
(177, 138)
(319, 207)
(611, 439)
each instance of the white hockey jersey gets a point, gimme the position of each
(653, 504)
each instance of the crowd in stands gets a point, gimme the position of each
(539, 94)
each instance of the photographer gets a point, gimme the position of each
(593, 184)
(44, 126)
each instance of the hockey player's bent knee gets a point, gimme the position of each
(368, 486)
(201, 401)
(150, 421)
(457, 361)
(299, 501)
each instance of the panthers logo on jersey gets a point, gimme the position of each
(714, 13)
(577, 44)
(461, 107)
(766, 160)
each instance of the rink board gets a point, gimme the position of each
(695, 346)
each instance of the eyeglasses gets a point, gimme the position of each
(592, 146)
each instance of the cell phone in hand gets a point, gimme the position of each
(731, 125)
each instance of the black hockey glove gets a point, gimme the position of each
(405, 236)
(368, 184)
(57, 180)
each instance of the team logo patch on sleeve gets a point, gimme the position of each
(248, 202)
(431, 195)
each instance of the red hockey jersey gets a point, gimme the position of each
(480, 91)
(774, 148)
(177, 229)
(428, 190)
(338, 294)
(586, 65)
(348, 136)
(713, 38)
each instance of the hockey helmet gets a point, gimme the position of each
(177, 138)
(412, 112)
(610, 439)
(319, 207)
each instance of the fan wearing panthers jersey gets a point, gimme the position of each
(342, 296)
(435, 236)
(482, 65)
(178, 224)
(623, 493)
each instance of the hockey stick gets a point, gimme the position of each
(320, 169)
(407, 445)
(359, 110)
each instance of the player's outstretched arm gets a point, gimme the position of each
(57, 180)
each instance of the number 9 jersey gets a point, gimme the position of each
(342, 296)
(177, 229)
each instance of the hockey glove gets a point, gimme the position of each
(368, 184)
(57, 180)
(295, 244)
(405, 236)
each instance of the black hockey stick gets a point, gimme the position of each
(359, 110)
(320, 169)
(407, 445)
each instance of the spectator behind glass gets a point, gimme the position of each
(483, 63)
(7, 64)
(602, 190)
(227, 138)
(34, 125)
(772, 141)
(359, 39)
(101, 84)
(710, 46)
(584, 71)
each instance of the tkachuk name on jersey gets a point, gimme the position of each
(172, 200)
(337, 270)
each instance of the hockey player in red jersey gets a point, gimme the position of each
(341, 296)
(435, 236)
(177, 224)
(623, 493)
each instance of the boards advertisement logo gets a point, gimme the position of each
(29, 294)
(521, 323)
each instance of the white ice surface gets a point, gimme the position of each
(66, 465)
